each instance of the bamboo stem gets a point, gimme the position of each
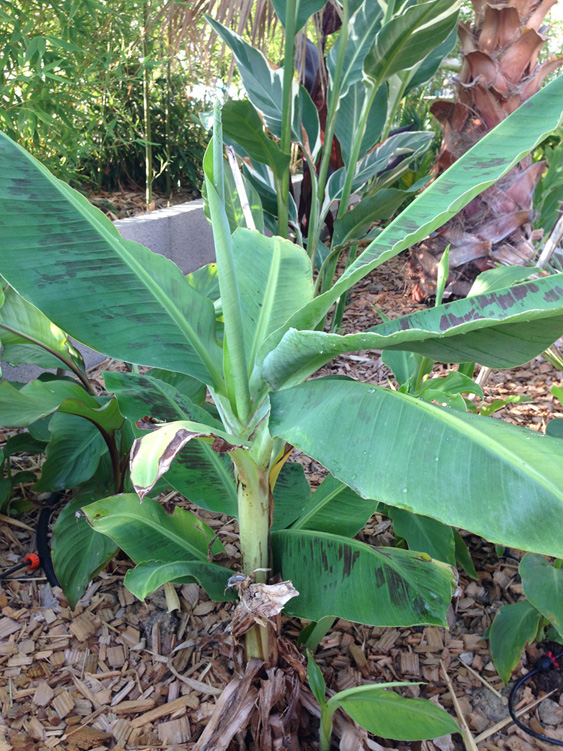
(146, 106)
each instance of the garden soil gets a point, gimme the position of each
(119, 674)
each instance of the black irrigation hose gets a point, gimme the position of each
(543, 665)
(42, 540)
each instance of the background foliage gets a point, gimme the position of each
(71, 91)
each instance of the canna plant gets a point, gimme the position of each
(254, 351)
(538, 616)
(383, 51)
(374, 708)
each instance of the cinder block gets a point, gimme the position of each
(181, 233)
(26, 373)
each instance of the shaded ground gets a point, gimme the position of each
(119, 674)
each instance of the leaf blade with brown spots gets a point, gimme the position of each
(336, 576)
(489, 477)
(499, 329)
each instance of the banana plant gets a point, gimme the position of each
(383, 50)
(524, 621)
(380, 446)
(378, 710)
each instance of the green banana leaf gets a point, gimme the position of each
(152, 455)
(501, 329)
(291, 494)
(146, 532)
(72, 454)
(147, 577)
(206, 280)
(424, 534)
(28, 336)
(348, 579)
(499, 278)
(67, 258)
(208, 283)
(198, 473)
(491, 478)
(543, 586)
(186, 385)
(514, 626)
(336, 509)
(40, 398)
(274, 281)
(79, 552)
(140, 395)
(479, 168)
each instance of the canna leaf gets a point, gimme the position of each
(242, 124)
(543, 586)
(389, 715)
(304, 10)
(408, 37)
(514, 626)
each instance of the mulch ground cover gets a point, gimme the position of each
(124, 204)
(117, 674)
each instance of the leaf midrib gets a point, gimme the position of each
(302, 520)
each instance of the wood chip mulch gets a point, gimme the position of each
(117, 674)
(127, 203)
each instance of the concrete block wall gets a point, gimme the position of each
(181, 233)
